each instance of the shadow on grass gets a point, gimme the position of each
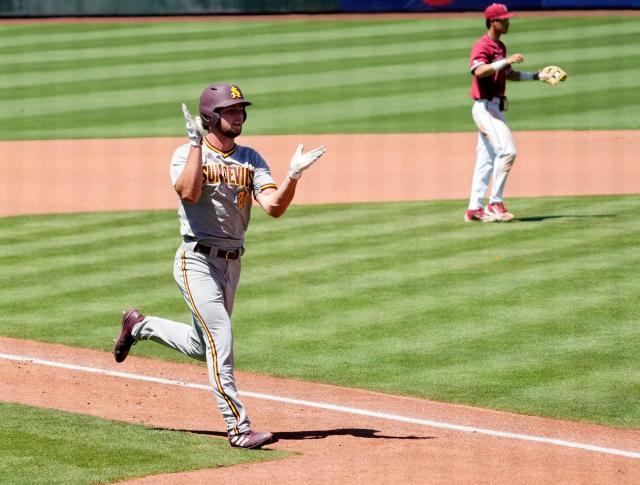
(315, 434)
(543, 218)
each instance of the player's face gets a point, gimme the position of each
(501, 25)
(231, 120)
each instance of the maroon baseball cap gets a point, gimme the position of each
(497, 11)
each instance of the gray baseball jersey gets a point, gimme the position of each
(221, 216)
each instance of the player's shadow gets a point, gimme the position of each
(568, 216)
(315, 434)
(356, 432)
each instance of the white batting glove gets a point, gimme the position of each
(194, 127)
(300, 162)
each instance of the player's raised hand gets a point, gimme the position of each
(300, 162)
(194, 127)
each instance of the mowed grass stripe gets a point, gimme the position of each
(246, 64)
(304, 83)
(279, 39)
(221, 42)
(141, 34)
(365, 107)
(379, 36)
(423, 76)
(114, 33)
(381, 42)
(243, 54)
(533, 265)
(383, 77)
(405, 298)
(380, 276)
(96, 235)
(279, 78)
(567, 29)
(89, 255)
(244, 58)
(275, 61)
(84, 288)
(438, 114)
(369, 114)
(205, 53)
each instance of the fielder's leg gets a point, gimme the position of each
(481, 173)
(498, 143)
(484, 165)
(502, 141)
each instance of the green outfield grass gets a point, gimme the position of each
(308, 76)
(538, 316)
(42, 446)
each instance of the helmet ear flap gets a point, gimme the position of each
(214, 119)
(209, 121)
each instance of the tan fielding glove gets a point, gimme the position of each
(552, 75)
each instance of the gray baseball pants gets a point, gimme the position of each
(208, 285)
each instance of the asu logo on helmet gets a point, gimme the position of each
(236, 93)
(216, 96)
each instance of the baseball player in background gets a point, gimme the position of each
(215, 179)
(495, 152)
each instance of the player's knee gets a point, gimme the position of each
(201, 356)
(508, 157)
(197, 350)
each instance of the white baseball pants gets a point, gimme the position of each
(495, 153)
(208, 285)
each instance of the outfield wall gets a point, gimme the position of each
(479, 5)
(73, 8)
(92, 8)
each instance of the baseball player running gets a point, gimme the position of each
(215, 179)
(495, 152)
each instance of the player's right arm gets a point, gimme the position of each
(485, 70)
(189, 183)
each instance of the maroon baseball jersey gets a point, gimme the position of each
(485, 51)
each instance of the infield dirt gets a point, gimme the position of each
(127, 174)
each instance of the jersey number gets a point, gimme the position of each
(242, 199)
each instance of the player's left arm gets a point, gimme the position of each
(550, 74)
(513, 75)
(276, 201)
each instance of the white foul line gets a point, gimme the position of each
(335, 407)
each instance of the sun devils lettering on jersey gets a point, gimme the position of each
(222, 214)
(215, 173)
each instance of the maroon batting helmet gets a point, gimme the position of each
(216, 96)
